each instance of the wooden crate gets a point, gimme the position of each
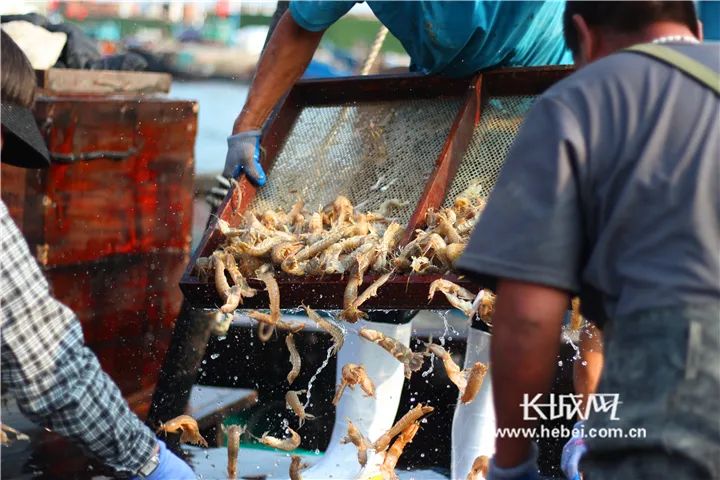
(401, 291)
(110, 220)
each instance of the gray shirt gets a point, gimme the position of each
(612, 189)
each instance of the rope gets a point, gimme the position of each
(374, 50)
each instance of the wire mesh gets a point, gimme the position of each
(369, 152)
(491, 140)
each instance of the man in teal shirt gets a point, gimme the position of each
(446, 38)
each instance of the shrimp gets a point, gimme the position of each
(233, 432)
(273, 292)
(393, 454)
(290, 264)
(335, 332)
(342, 210)
(283, 250)
(295, 214)
(267, 319)
(238, 278)
(350, 311)
(231, 297)
(286, 444)
(487, 306)
(454, 373)
(295, 466)
(355, 437)
(455, 294)
(445, 227)
(5, 439)
(265, 331)
(407, 420)
(412, 361)
(454, 250)
(262, 248)
(387, 244)
(479, 467)
(391, 204)
(353, 314)
(352, 375)
(292, 402)
(188, 427)
(295, 360)
(475, 378)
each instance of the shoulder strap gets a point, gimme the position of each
(692, 68)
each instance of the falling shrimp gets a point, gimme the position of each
(295, 466)
(412, 361)
(458, 296)
(286, 444)
(396, 449)
(273, 292)
(479, 468)
(408, 419)
(352, 375)
(233, 432)
(335, 332)
(188, 427)
(292, 402)
(475, 378)
(361, 442)
(5, 438)
(295, 359)
(268, 319)
(454, 373)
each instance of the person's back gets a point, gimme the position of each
(459, 38)
(649, 180)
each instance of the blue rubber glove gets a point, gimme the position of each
(528, 470)
(170, 467)
(244, 157)
(573, 451)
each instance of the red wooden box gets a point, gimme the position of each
(110, 220)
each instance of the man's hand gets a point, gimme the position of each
(527, 470)
(170, 467)
(572, 452)
(244, 157)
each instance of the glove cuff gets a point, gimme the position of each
(528, 469)
(244, 136)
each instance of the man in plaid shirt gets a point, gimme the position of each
(56, 379)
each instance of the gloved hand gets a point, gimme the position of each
(244, 157)
(573, 451)
(170, 467)
(528, 470)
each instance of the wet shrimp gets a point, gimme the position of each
(238, 278)
(408, 419)
(286, 444)
(273, 292)
(458, 296)
(295, 360)
(265, 332)
(412, 361)
(233, 432)
(454, 250)
(265, 318)
(5, 438)
(231, 296)
(296, 465)
(576, 320)
(188, 428)
(475, 378)
(479, 469)
(284, 250)
(353, 314)
(361, 442)
(292, 402)
(387, 244)
(352, 375)
(396, 450)
(391, 204)
(452, 370)
(335, 332)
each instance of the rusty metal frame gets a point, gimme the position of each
(402, 291)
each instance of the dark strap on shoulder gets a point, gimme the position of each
(690, 67)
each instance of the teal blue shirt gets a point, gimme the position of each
(458, 38)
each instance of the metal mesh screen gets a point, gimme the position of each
(369, 152)
(499, 123)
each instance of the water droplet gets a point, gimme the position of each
(214, 356)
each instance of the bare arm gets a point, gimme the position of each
(523, 355)
(282, 63)
(588, 367)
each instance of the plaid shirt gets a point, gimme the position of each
(56, 379)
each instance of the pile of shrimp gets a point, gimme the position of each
(336, 239)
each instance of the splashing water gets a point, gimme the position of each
(315, 375)
(567, 338)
